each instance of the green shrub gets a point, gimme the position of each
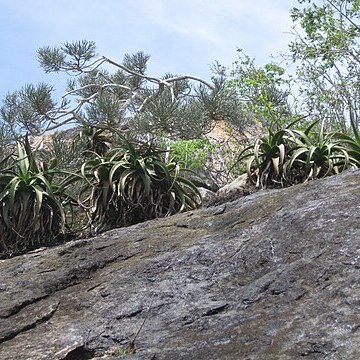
(192, 154)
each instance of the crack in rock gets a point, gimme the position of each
(216, 310)
(23, 326)
(130, 314)
(18, 307)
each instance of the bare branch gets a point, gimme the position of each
(101, 87)
(190, 77)
(166, 82)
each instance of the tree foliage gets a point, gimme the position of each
(327, 53)
(126, 98)
(263, 91)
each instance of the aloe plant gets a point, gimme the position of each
(290, 156)
(129, 185)
(32, 213)
(315, 154)
(265, 159)
(352, 143)
(97, 140)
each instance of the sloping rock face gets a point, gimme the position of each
(273, 275)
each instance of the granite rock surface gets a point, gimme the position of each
(272, 275)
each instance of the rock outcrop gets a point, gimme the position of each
(273, 275)
(240, 183)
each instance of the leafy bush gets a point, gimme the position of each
(192, 154)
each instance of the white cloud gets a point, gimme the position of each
(223, 25)
(226, 24)
(187, 19)
(181, 36)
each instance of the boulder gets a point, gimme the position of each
(206, 195)
(273, 275)
(202, 179)
(239, 183)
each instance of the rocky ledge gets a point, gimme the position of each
(273, 275)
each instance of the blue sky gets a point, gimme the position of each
(182, 37)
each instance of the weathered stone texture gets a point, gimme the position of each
(273, 275)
